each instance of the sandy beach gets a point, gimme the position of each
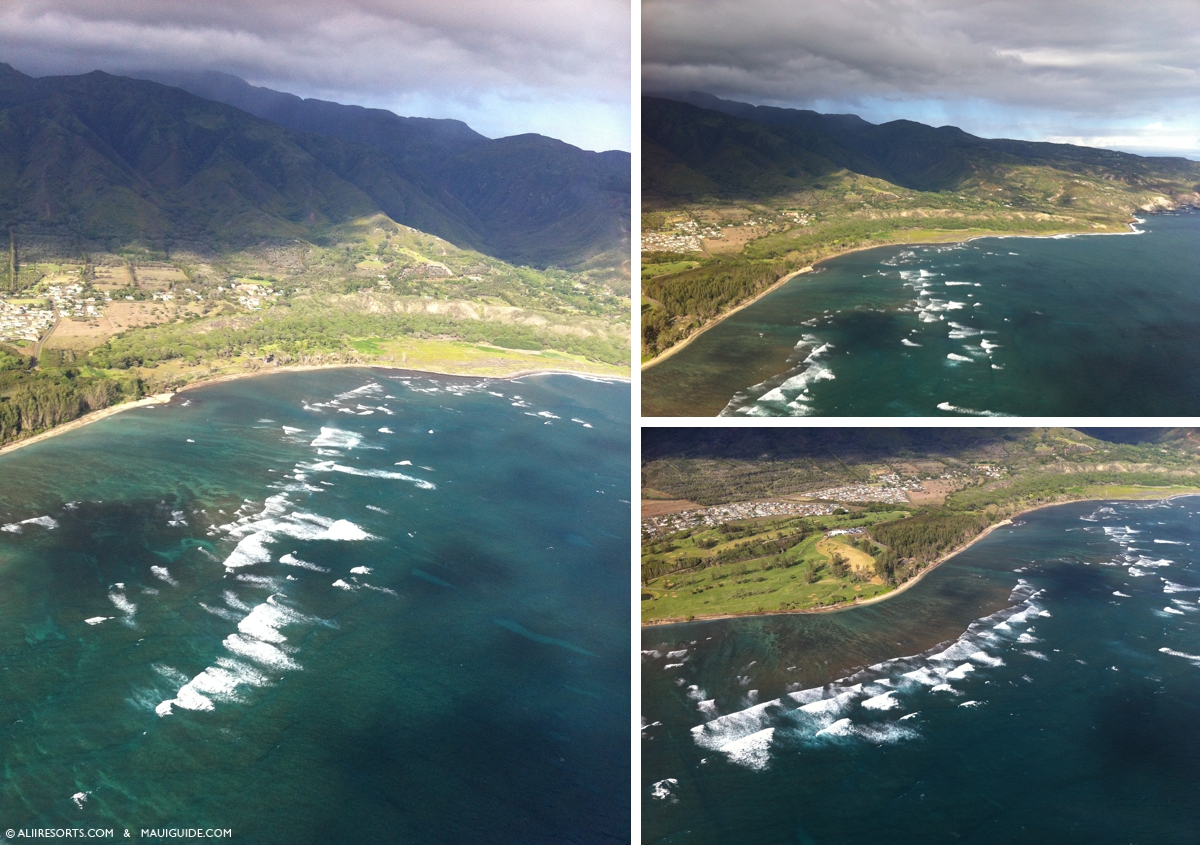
(165, 398)
(87, 419)
(683, 343)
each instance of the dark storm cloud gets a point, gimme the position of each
(1094, 61)
(560, 61)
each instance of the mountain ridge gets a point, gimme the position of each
(904, 152)
(104, 157)
(548, 182)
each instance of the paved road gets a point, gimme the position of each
(37, 347)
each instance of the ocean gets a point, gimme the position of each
(352, 605)
(1065, 326)
(1041, 686)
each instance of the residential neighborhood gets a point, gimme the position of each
(686, 238)
(23, 322)
(708, 517)
(865, 493)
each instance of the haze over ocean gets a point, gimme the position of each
(324, 607)
(1040, 686)
(1069, 326)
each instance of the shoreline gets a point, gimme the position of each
(304, 368)
(811, 268)
(165, 398)
(1004, 523)
(683, 343)
(87, 419)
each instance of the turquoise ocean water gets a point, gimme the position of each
(340, 606)
(1042, 686)
(1084, 326)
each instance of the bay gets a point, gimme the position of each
(334, 606)
(1073, 325)
(1041, 686)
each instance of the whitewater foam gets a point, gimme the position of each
(881, 688)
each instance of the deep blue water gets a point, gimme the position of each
(342, 606)
(1043, 686)
(1070, 326)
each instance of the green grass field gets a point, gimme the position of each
(649, 271)
(799, 578)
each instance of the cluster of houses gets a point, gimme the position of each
(23, 322)
(655, 526)
(685, 238)
(249, 295)
(892, 479)
(864, 493)
(69, 301)
(889, 488)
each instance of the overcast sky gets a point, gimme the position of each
(1123, 75)
(557, 67)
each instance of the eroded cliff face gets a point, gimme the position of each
(1173, 203)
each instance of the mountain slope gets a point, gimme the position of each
(527, 198)
(101, 157)
(709, 136)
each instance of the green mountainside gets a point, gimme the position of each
(125, 162)
(106, 157)
(527, 199)
(736, 197)
(865, 510)
(701, 147)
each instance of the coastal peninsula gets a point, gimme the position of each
(834, 520)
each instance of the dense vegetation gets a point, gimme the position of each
(33, 401)
(915, 543)
(701, 293)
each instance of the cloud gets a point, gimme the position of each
(560, 67)
(1066, 62)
